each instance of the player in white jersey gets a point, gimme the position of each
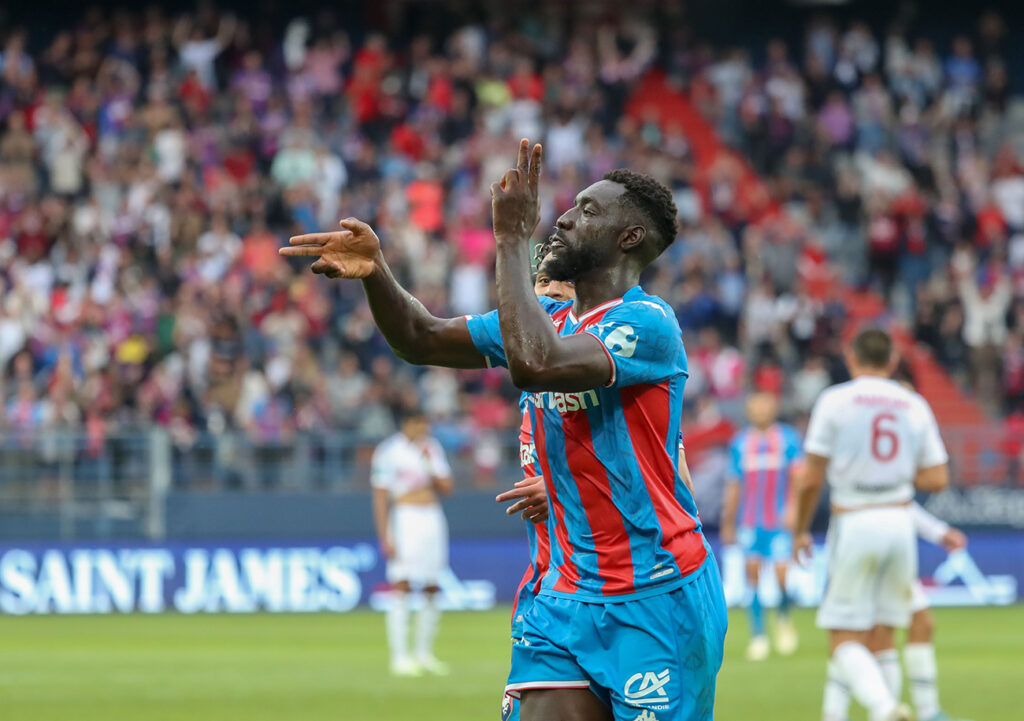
(409, 470)
(875, 441)
(918, 652)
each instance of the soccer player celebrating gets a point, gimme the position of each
(408, 472)
(630, 620)
(875, 440)
(764, 456)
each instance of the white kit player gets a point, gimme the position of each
(918, 652)
(875, 441)
(408, 472)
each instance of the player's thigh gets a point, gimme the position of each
(853, 563)
(898, 574)
(422, 546)
(562, 705)
(660, 656)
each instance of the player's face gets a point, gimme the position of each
(586, 236)
(762, 409)
(555, 289)
(416, 428)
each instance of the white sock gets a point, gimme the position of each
(836, 704)
(923, 672)
(889, 662)
(867, 684)
(427, 621)
(398, 627)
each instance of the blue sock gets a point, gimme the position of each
(756, 615)
(784, 603)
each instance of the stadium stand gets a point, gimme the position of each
(151, 164)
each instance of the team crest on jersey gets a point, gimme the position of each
(648, 689)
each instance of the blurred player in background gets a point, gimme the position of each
(630, 620)
(875, 440)
(408, 471)
(764, 457)
(918, 652)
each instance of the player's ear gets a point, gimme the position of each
(632, 238)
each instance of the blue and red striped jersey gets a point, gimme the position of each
(623, 525)
(762, 462)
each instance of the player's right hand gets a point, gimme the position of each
(387, 548)
(954, 540)
(533, 499)
(347, 253)
(803, 548)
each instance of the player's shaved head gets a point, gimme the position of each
(872, 348)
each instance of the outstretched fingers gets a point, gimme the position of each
(535, 161)
(523, 163)
(354, 225)
(309, 244)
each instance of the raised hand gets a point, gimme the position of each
(515, 202)
(347, 253)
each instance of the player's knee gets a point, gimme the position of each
(881, 638)
(922, 627)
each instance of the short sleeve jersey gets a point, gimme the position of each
(401, 466)
(762, 463)
(623, 525)
(877, 435)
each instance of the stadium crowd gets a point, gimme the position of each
(152, 164)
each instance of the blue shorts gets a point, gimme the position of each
(653, 657)
(771, 545)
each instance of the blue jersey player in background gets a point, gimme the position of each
(764, 458)
(629, 622)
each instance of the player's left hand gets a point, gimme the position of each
(803, 548)
(515, 201)
(346, 253)
(954, 540)
(533, 499)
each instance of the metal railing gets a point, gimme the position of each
(122, 479)
(118, 484)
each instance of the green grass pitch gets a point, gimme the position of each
(319, 668)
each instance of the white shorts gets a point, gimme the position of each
(872, 569)
(420, 538)
(918, 599)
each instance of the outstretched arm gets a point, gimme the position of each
(808, 492)
(538, 359)
(414, 334)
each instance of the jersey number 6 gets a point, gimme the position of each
(885, 444)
